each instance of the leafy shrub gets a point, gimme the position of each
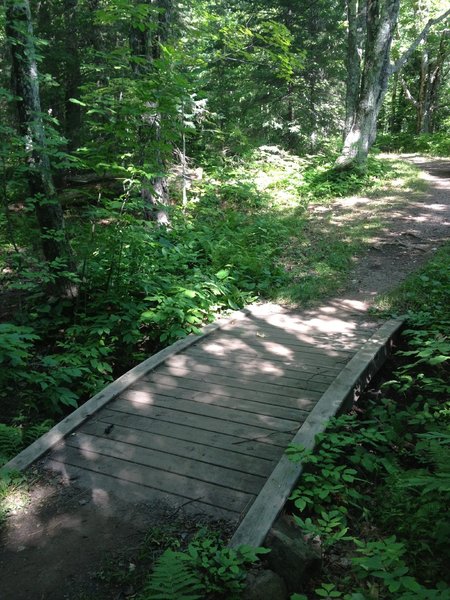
(436, 144)
(386, 467)
(13, 438)
(205, 568)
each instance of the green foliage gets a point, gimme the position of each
(322, 181)
(435, 144)
(173, 579)
(426, 292)
(386, 468)
(207, 567)
(10, 442)
(13, 492)
(13, 438)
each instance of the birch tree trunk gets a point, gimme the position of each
(381, 20)
(356, 17)
(25, 86)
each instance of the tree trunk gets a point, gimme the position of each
(24, 79)
(356, 17)
(72, 74)
(146, 45)
(381, 21)
(436, 80)
(393, 126)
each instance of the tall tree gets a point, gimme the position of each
(422, 79)
(25, 86)
(365, 97)
(146, 40)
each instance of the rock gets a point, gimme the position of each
(291, 557)
(265, 585)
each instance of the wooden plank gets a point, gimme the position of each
(269, 365)
(305, 333)
(263, 512)
(336, 318)
(313, 343)
(261, 408)
(247, 432)
(203, 470)
(170, 483)
(245, 337)
(277, 352)
(134, 492)
(277, 386)
(266, 372)
(190, 433)
(232, 392)
(78, 416)
(216, 456)
(160, 405)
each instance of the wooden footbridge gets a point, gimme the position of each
(206, 421)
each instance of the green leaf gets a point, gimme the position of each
(75, 101)
(222, 274)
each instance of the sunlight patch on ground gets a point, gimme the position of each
(15, 502)
(353, 201)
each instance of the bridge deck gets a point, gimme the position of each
(208, 426)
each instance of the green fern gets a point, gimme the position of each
(33, 432)
(433, 450)
(173, 579)
(10, 442)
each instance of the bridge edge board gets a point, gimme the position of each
(57, 433)
(347, 386)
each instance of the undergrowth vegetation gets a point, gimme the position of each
(248, 230)
(376, 490)
(373, 495)
(435, 144)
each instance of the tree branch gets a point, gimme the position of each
(406, 55)
(408, 94)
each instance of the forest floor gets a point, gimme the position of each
(57, 545)
(415, 223)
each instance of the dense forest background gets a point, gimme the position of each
(157, 158)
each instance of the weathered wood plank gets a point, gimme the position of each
(170, 483)
(203, 470)
(232, 392)
(247, 432)
(252, 406)
(278, 386)
(189, 432)
(135, 492)
(273, 364)
(275, 492)
(246, 337)
(214, 455)
(198, 390)
(347, 339)
(160, 403)
(308, 344)
(262, 371)
(276, 352)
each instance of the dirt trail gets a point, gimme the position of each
(37, 557)
(416, 224)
